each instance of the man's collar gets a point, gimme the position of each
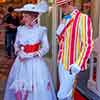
(74, 12)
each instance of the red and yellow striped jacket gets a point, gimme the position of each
(75, 41)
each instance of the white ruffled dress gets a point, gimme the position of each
(31, 75)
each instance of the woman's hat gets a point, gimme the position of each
(41, 7)
(61, 2)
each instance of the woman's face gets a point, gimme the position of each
(27, 19)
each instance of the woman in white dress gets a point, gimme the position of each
(29, 78)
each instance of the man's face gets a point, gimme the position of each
(66, 7)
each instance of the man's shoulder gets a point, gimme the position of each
(84, 14)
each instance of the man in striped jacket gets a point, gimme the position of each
(74, 36)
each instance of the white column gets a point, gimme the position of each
(54, 44)
(39, 15)
(98, 74)
(98, 65)
(91, 68)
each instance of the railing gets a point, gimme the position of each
(94, 76)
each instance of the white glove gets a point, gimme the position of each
(74, 68)
(22, 54)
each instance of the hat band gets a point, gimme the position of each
(61, 2)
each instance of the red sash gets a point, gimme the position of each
(30, 48)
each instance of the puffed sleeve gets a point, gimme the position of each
(44, 43)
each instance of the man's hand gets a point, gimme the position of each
(74, 69)
(69, 69)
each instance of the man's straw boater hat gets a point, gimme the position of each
(61, 2)
(41, 7)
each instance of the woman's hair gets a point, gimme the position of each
(35, 14)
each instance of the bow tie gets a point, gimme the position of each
(67, 17)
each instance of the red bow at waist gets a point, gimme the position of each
(30, 48)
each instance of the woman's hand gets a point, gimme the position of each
(24, 56)
(22, 59)
(36, 54)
